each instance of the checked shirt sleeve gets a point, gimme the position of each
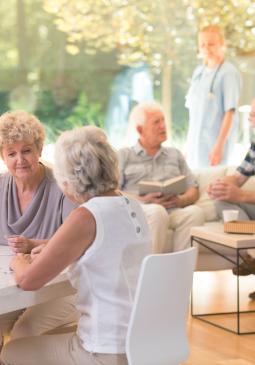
(247, 167)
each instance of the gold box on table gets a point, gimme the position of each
(245, 227)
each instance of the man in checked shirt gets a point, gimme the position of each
(227, 194)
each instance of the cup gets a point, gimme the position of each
(230, 215)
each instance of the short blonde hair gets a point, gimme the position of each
(86, 162)
(212, 28)
(139, 114)
(18, 125)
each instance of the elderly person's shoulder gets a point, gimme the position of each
(4, 174)
(49, 174)
(125, 152)
(48, 167)
(173, 152)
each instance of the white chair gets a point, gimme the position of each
(157, 328)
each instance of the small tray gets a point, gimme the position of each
(242, 227)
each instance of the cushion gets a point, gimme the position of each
(204, 177)
(249, 185)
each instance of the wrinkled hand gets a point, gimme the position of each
(209, 188)
(222, 190)
(167, 201)
(20, 244)
(20, 256)
(216, 155)
(36, 251)
(173, 202)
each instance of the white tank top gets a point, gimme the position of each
(106, 275)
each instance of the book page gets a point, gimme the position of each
(174, 179)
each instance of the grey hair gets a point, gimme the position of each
(139, 114)
(18, 125)
(86, 163)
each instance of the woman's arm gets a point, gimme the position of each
(216, 153)
(22, 244)
(71, 241)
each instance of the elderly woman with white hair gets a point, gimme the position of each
(110, 237)
(32, 209)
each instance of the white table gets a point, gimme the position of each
(12, 297)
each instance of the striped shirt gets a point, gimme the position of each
(247, 167)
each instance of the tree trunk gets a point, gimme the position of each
(62, 54)
(166, 96)
(22, 42)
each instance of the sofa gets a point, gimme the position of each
(207, 260)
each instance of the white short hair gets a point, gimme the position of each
(138, 113)
(86, 163)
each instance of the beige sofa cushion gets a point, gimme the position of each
(204, 177)
(249, 185)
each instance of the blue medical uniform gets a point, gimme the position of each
(131, 85)
(206, 115)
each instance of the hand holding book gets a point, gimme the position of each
(167, 201)
(175, 186)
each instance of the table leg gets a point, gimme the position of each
(191, 294)
(238, 299)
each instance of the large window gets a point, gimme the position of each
(76, 63)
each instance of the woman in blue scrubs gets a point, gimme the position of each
(212, 101)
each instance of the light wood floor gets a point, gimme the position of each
(209, 345)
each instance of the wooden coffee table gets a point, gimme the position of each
(239, 242)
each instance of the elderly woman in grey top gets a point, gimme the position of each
(32, 209)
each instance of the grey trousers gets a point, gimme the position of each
(246, 213)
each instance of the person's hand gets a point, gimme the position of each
(167, 201)
(173, 202)
(153, 198)
(222, 190)
(36, 251)
(216, 155)
(16, 259)
(20, 244)
(209, 188)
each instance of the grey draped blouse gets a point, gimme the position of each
(45, 213)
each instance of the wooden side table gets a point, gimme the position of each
(208, 235)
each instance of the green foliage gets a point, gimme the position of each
(84, 113)
(79, 113)
(151, 31)
(179, 136)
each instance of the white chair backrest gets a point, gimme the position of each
(157, 328)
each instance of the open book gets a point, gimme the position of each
(176, 186)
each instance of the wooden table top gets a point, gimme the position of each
(12, 297)
(217, 234)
